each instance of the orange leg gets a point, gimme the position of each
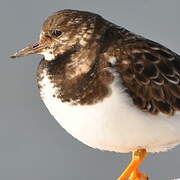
(131, 172)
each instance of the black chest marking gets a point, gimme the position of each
(85, 89)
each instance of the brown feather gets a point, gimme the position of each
(154, 71)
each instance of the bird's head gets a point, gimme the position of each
(64, 31)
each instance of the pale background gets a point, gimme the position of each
(32, 144)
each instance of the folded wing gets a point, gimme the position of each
(151, 75)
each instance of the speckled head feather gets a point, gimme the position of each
(69, 29)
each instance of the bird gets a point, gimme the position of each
(110, 88)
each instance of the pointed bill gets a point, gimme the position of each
(35, 48)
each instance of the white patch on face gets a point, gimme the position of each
(49, 56)
(113, 60)
(83, 42)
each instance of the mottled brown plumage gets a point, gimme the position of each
(149, 71)
(151, 75)
(108, 87)
(80, 69)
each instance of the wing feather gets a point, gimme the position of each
(151, 75)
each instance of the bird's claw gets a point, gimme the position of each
(138, 176)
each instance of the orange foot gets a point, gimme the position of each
(136, 175)
(131, 172)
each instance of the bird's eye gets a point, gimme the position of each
(56, 33)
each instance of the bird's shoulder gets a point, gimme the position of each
(151, 74)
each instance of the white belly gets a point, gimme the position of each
(114, 124)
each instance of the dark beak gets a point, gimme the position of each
(35, 48)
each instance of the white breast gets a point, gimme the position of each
(114, 124)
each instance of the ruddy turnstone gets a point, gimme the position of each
(108, 87)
